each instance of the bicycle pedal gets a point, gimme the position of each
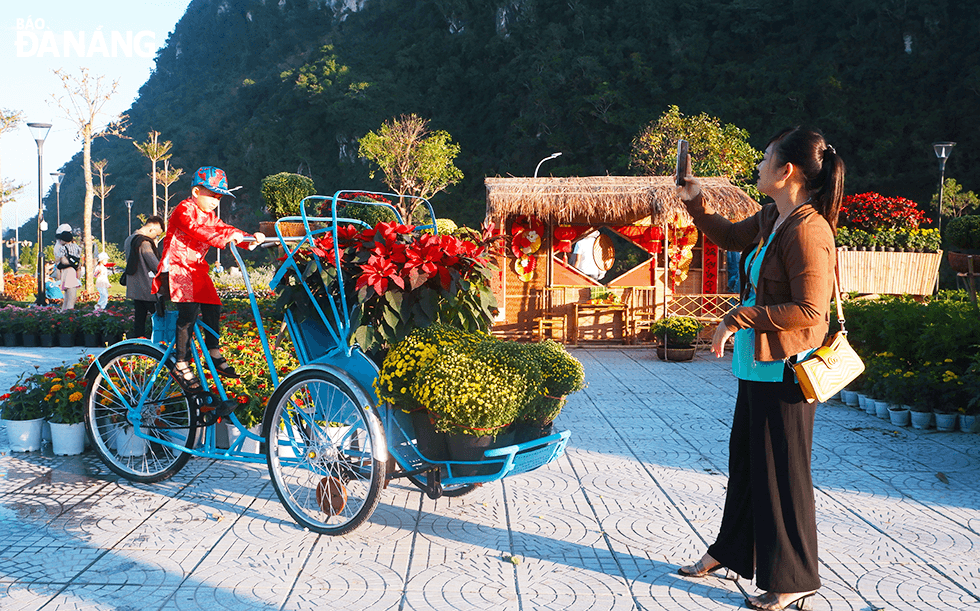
(216, 408)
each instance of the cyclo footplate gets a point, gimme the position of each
(210, 408)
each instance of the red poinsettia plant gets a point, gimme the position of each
(396, 279)
(873, 212)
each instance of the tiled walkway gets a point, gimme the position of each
(639, 491)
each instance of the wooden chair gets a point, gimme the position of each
(552, 323)
(641, 318)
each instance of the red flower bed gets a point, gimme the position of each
(873, 211)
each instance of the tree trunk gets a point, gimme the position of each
(89, 199)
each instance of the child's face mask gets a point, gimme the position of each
(206, 200)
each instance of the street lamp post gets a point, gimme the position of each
(551, 156)
(58, 177)
(40, 131)
(129, 215)
(943, 151)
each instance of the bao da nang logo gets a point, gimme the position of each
(34, 40)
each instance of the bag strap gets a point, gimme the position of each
(837, 297)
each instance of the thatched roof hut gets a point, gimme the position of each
(608, 199)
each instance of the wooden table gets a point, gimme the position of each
(597, 311)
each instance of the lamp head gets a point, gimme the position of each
(943, 149)
(57, 176)
(129, 203)
(39, 131)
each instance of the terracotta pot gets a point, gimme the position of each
(959, 262)
(676, 354)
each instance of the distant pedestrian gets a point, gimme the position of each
(67, 258)
(102, 282)
(732, 259)
(142, 259)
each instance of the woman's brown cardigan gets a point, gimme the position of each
(796, 281)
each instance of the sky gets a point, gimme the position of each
(115, 38)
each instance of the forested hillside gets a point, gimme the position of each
(263, 86)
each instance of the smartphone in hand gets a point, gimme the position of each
(682, 150)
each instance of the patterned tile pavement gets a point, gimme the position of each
(639, 491)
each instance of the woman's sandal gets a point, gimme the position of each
(224, 369)
(700, 569)
(769, 601)
(186, 378)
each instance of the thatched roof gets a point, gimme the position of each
(608, 199)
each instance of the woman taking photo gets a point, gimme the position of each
(787, 277)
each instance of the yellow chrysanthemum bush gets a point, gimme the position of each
(475, 384)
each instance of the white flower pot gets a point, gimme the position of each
(968, 424)
(24, 435)
(862, 402)
(921, 420)
(881, 409)
(899, 416)
(67, 439)
(128, 443)
(946, 422)
(250, 445)
(852, 399)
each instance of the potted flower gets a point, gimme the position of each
(400, 279)
(464, 389)
(64, 394)
(66, 325)
(283, 194)
(963, 238)
(677, 335)
(23, 409)
(114, 326)
(91, 325)
(32, 320)
(13, 325)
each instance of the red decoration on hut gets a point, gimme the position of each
(710, 277)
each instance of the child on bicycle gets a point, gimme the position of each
(183, 275)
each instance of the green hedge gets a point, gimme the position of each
(925, 354)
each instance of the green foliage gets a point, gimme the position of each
(681, 331)
(956, 202)
(716, 149)
(283, 193)
(414, 160)
(475, 384)
(964, 232)
(928, 350)
(370, 214)
(511, 87)
(919, 240)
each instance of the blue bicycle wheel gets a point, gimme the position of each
(166, 419)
